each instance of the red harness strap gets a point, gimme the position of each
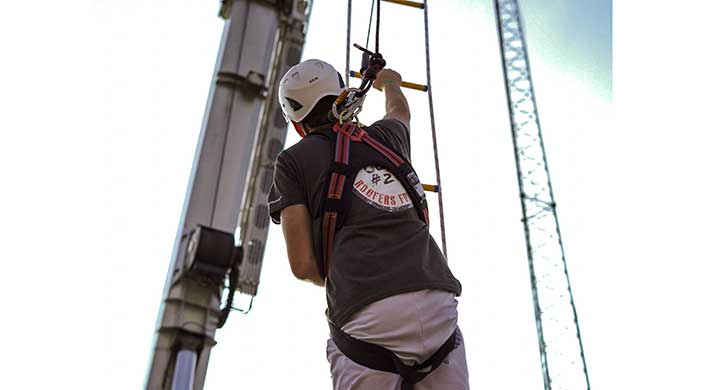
(335, 191)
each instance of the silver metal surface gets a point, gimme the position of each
(560, 344)
(219, 178)
(270, 140)
(184, 370)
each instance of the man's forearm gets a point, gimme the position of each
(311, 275)
(394, 99)
(296, 226)
(316, 279)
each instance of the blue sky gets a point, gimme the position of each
(100, 108)
(575, 36)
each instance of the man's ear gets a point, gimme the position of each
(299, 128)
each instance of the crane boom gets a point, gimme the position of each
(242, 132)
(560, 343)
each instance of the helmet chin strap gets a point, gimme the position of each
(299, 128)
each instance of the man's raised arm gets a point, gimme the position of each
(396, 105)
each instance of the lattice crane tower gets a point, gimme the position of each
(560, 344)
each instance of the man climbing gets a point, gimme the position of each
(391, 296)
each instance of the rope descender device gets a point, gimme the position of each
(349, 102)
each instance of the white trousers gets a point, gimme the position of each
(413, 326)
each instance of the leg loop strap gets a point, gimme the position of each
(381, 359)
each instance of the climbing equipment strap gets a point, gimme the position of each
(381, 359)
(333, 203)
(341, 169)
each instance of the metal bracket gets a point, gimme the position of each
(253, 83)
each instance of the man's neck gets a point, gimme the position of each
(313, 129)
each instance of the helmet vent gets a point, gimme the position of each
(294, 104)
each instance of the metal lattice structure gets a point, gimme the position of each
(560, 344)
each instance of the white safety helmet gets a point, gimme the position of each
(304, 85)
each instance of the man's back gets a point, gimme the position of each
(391, 297)
(382, 248)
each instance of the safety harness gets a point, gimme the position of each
(343, 171)
(342, 177)
(350, 137)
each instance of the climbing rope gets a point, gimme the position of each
(349, 104)
(377, 28)
(369, 25)
(347, 46)
(433, 129)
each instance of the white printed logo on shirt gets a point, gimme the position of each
(381, 189)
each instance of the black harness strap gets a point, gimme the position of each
(381, 359)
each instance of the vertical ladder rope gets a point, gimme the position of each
(433, 131)
(430, 100)
(379, 2)
(369, 25)
(347, 46)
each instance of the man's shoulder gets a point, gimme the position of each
(308, 143)
(298, 154)
(393, 125)
(394, 133)
(300, 147)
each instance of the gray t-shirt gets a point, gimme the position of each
(383, 248)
